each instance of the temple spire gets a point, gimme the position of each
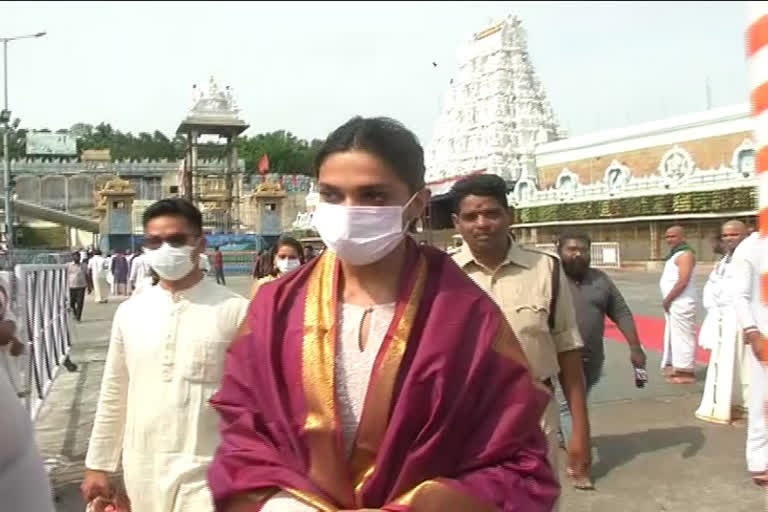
(495, 111)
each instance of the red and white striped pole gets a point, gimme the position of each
(757, 53)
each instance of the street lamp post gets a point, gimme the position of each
(5, 117)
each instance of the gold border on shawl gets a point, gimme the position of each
(435, 496)
(378, 399)
(327, 467)
(312, 500)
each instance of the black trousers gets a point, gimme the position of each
(76, 300)
(220, 276)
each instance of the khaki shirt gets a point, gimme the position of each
(522, 287)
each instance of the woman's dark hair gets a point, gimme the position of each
(283, 241)
(384, 138)
(483, 185)
(176, 207)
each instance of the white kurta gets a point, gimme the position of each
(165, 361)
(353, 373)
(751, 313)
(140, 270)
(727, 375)
(680, 328)
(97, 266)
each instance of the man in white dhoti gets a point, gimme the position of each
(165, 361)
(753, 319)
(725, 391)
(677, 288)
(99, 272)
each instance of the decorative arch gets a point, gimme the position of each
(523, 191)
(616, 176)
(567, 182)
(743, 159)
(676, 165)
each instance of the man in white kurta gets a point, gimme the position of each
(753, 319)
(165, 361)
(725, 390)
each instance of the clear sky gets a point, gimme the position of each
(307, 67)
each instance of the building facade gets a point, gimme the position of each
(629, 185)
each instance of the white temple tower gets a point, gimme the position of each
(495, 112)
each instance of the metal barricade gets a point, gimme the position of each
(606, 255)
(42, 309)
(602, 254)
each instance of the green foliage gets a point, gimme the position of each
(734, 199)
(54, 237)
(287, 153)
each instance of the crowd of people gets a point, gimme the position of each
(385, 374)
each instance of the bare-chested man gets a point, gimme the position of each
(677, 288)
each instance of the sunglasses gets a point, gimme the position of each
(174, 240)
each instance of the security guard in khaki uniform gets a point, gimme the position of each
(532, 291)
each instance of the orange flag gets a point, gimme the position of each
(264, 164)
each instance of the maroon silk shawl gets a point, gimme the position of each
(450, 420)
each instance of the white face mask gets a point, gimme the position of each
(287, 264)
(171, 263)
(360, 235)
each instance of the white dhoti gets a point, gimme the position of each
(100, 289)
(680, 336)
(757, 430)
(727, 384)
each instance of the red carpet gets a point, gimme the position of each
(651, 332)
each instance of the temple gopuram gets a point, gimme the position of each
(623, 187)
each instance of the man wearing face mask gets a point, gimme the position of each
(361, 380)
(165, 360)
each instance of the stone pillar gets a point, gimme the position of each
(193, 179)
(655, 253)
(66, 209)
(187, 176)
(236, 178)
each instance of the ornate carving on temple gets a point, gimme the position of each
(115, 187)
(214, 102)
(496, 93)
(676, 165)
(566, 183)
(268, 188)
(743, 158)
(616, 176)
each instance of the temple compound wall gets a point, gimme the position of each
(629, 185)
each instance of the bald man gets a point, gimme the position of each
(677, 288)
(725, 391)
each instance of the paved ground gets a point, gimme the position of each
(650, 453)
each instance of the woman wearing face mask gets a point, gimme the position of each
(361, 381)
(288, 256)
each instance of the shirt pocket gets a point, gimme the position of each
(530, 322)
(203, 360)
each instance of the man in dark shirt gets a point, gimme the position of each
(595, 296)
